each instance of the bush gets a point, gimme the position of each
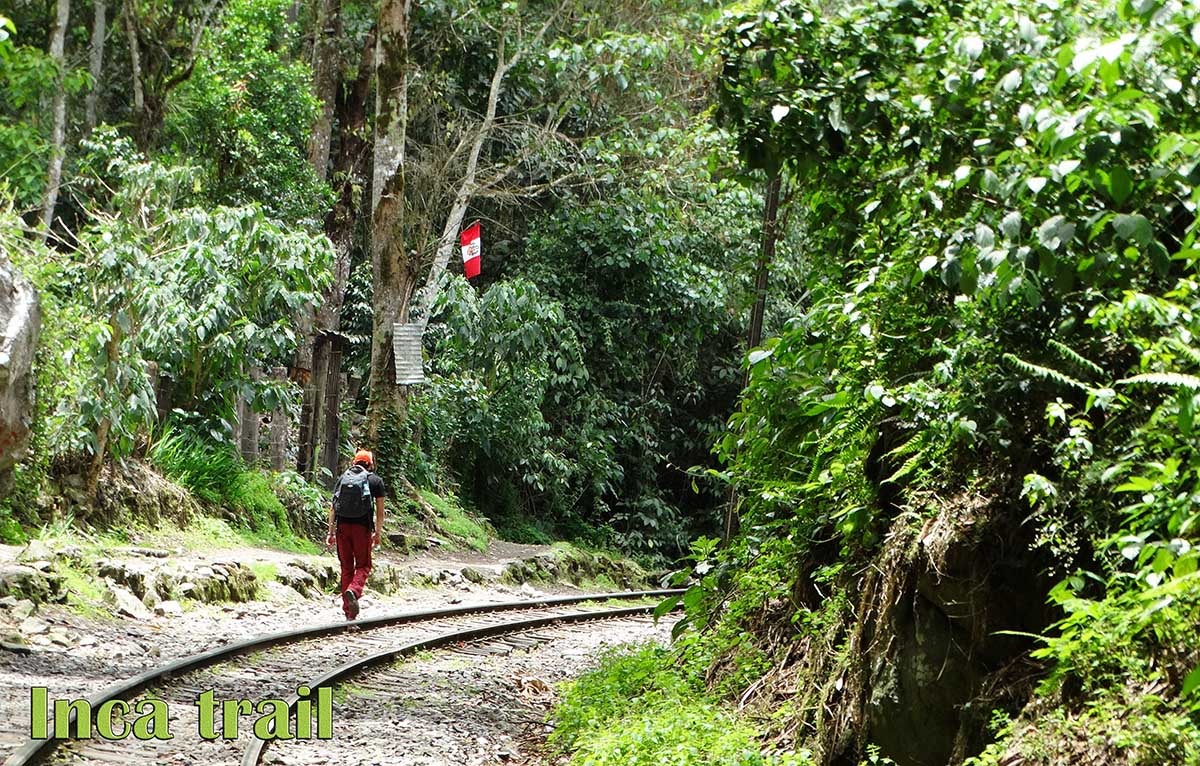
(639, 709)
(206, 470)
(216, 475)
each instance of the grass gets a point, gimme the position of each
(456, 523)
(11, 531)
(264, 572)
(215, 474)
(639, 709)
(84, 595)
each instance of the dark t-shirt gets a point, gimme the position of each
(377, 490)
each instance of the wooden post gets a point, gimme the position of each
(248, 420)
(310, 409)
(333, 432)
(279, 425)
(164, 392)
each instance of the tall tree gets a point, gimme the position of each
(391, 266)
(326, 65)
(59, 109)
(95, 61)
(164, 40)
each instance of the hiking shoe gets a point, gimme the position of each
(351, 602)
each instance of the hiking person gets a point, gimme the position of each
(355, 523)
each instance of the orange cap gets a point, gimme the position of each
(365, 457)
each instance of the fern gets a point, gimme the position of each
(1172, 379)
(1075, 358)
(1192, 354)
(1044, 373)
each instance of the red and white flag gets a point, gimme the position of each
(471, 250)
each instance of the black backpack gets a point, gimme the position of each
(352, 498)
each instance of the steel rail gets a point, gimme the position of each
(254, 751)
(34, 750)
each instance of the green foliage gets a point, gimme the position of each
(205, 294)
(636, 709)
(26, 76)
(214, 473)
(500, 358)
(1001, 196)
(247, 112)
(624, 347)
(11, 531)
(205, 469)
(454, 521)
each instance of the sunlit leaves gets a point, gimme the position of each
(1134, 228)
(205, 295)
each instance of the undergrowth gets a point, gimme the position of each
(1118, 693)
(454, 521)
(640, 709)
(214, 474)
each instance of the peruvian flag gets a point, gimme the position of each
(471, 250)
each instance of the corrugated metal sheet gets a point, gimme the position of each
(406, 346)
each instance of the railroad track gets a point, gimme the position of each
(276, 666)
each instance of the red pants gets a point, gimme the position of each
(354, 554)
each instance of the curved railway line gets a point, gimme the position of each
(274, 666)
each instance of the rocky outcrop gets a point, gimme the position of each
(36, 583)
(127, 493)
(568, 564)
(19, 325)
(917, 659)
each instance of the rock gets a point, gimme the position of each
(19, 324)
(324, 571)
(151, 598)
(471, 574)
(298, 580)
(26, 582)
(407, 542)
(32, 626)
(168, 608)
(156, 553)
(61, 637)
(278, 593)
(219, 583)
(13, 642)
(36, 550)
(23, 609)
(530, 592)
(386, 578)
(124, 602)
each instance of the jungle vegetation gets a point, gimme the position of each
(876, 320)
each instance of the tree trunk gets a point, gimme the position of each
(111, 351)
(391, 265)
(340, 224)
(325, 64)
(95, 61)
(766, 256)
(310, 409)
(129, 14)
(248, 426)
(279, 426)
(320, 382)
(59, 109)
(333, 433)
